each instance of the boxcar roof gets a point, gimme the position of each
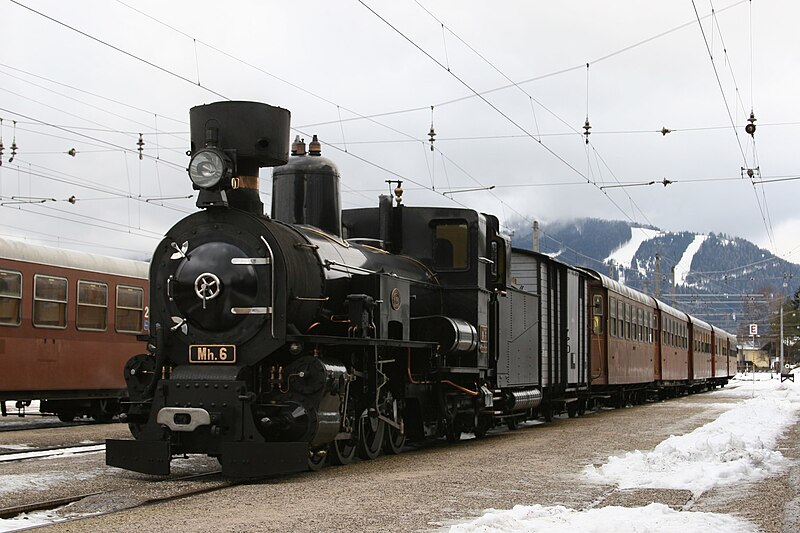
(44, 255)
(544, 257)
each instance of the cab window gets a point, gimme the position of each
(450, 245)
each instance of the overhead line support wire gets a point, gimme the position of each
(106, 143)
(118, 49)
(536, 78)
(476, 93)
(733, 125)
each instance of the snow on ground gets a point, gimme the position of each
(96, 448)
(685, 264)
(40, 480)
(654, 518)
(739, 446)
(29, 520)
(32, 409)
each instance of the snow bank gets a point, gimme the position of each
(654, 518)
(738, 446)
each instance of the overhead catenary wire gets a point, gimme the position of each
(761, 208)
(495, 108)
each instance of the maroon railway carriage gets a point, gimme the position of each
(640, 345)
(701, 359)
(733, 354)
(623, 340)
(673, 345)
(68, 324)
(723, 345)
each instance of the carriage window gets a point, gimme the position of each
(10, 298)
(92, 306)
(597, 305)
(620, 319)
(597, 314)
(130, 309)
(627, 321)
(612, 312)
(641, 325)
(450, 246)
(49, 302)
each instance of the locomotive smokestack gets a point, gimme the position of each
(306, 190)
(230, 142)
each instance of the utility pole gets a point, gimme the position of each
(783, 294)
(673, 286)
(535, 235)
(658, 275)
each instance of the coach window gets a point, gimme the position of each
(49, 302)
(627, 321)
(92, 312)
(612, 320)
(620, 319)
(597, 314)
(130, 308)
(10, 298)
(654, 328)
(450, 245)
(641, 325)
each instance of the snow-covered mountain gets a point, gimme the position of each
(719, 278)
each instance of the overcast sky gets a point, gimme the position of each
(91, 75)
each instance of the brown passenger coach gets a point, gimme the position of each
(68, 323)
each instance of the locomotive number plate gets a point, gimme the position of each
(212, 353)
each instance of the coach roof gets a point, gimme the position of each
(45, 255)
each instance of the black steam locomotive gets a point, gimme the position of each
(279, 343)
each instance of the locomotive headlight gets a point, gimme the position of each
(208, 167)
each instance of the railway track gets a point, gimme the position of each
(23, 454)
(38, 422)
(163, 493)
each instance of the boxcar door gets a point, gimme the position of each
(574, 339)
